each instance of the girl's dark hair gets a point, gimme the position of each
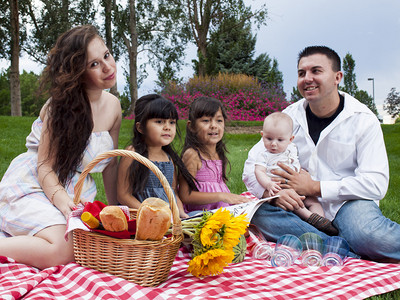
(152, 106)
(205, 106)
(69, 114)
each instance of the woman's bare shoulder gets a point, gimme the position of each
(112, 101)
(43, 110)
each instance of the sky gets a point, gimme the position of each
(369, 30)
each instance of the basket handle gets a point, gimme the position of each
(176, 225)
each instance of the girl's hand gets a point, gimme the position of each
(233, 198)
(183, 215)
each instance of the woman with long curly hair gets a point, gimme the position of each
(79, 121)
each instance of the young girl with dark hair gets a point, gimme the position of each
(153, 133)
(79, 121)
(204, 155)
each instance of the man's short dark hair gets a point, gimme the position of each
(328, 52)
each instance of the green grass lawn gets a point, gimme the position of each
(13, 131)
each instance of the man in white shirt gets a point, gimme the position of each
(343, 154)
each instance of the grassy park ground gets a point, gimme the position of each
(240, 137)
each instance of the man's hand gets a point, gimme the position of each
(288, 200)
(301, 181)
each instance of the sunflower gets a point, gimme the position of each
(236, 227)
(211, 262)
(215, 227)
(214, 235)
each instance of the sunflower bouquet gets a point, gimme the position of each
(214, 237)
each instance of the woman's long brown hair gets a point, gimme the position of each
(70, 121)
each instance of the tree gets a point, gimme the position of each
(51, 19)
(392, 103)
(365, 98)
(5, 108)
(108, 36)
(14, 69)
(31, 101)
(155, 28)
(12, 38)
(12, 35)
(350, 85)
(266, 70)
(295, 95)
(204, 17)
(231, 48)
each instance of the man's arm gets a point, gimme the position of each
(301, 181)
(359, 172)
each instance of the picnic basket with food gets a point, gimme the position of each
(142, 261)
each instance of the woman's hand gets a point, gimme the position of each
(233, 198)
(64, 204)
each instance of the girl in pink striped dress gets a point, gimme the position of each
(204, 154)
(79, 121)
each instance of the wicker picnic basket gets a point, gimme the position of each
(146, 263)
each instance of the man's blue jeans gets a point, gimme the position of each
(360, 222)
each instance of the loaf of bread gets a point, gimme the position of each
(153, 219)
(113, 218)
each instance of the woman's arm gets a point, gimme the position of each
(48, 179)
(124, 194)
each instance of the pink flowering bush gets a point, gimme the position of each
(243, 97)
(241, 106)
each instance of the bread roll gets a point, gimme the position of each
(153, 219)
(113, 218)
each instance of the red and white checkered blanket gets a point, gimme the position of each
(251, 279)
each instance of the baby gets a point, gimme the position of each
(277, 135)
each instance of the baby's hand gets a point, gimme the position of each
(234, 198)
(273, 188)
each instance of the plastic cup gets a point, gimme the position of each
(312, 249)
(335, 251)
(261, 249)
(287, 249)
